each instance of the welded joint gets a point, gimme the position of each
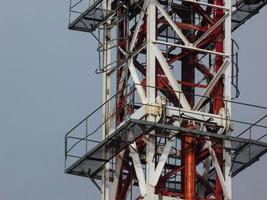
(161, 163)
(211, 29)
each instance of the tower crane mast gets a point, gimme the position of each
(170, 80)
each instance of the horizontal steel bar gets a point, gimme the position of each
(197, 132)
(191, 48)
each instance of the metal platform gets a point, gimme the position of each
(91, 164)
(244, 12)
(90, 19)
(245, 151)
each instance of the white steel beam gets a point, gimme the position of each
(214, 26)
(176, 112)
(190, 48)
(138, 25)
(171, 22)
(106, 96)
(170, 76)
(198, 115)
(150, 166)
(228, 96)
(161, 163)
(218, 169)
(211, 85)
(138, 169)
(227, 169)
(208, 4)
(137, 82)
(138, 114)
(151, 60)
(151, 94)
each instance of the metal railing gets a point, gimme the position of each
(244, 10)
(87, 133)
(77, 7)
(82, 137)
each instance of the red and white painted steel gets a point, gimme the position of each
(209, 28)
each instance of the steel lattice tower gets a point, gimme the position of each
(169, 79)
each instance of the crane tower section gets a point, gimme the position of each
(170, 74)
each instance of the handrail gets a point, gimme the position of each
(208, 97)
(252, 125)
(89, 140)
(77, 140)
(98, 108)
(67, 135)
(93, 132)
(262, 137)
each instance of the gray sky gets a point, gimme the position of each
(46, 84)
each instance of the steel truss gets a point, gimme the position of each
(167, 129)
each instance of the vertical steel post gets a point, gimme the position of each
(154, 40)
(121, 80)
(219, 91)
(228, 96)
(151, 94)
(188, 142)
(106, 96)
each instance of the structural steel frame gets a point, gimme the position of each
(162, 70)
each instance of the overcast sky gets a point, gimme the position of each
(47, 84)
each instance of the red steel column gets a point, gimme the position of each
(218, 91)
(188, 145)
(190, 168)
(122, 34)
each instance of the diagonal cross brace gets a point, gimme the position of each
(172, 23)
(211, 29)
(138, 25)
(173, 82)
(161, 163)
(138, 169)
(211, 85)
(137, 82)
(218, 169)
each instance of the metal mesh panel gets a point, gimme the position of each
(245, 156)
(246, 151)
(89, 20)
(244, 12)
(94, 160)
